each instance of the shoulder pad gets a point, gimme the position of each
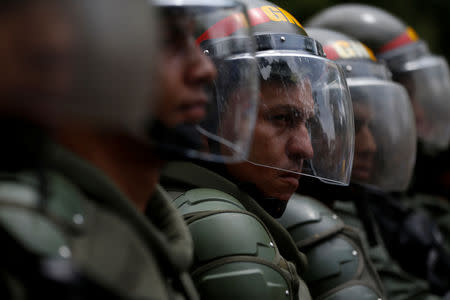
(227, 233)
(332, 262)
(236, 258)
(65, 200)
(309, 221)
(203, 199)
(213, 212)
(243, 280)
(33, 231)
(357, 291)
(39, 227)
(347, 212)
(345, 207)
(235, 255)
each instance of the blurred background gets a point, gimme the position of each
(430, 18)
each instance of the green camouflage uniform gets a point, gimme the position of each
(398, 284)
(436, 207)
(339, 265)
(240, 251)
(87, 220)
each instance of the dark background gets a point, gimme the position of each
(429, 18)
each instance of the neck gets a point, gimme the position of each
(25, 147)
(129, 164)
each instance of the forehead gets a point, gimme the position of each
(37, 22)
(35, 11)
(298, 94)
(177, 18)
(362, 111)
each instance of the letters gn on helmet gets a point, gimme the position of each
(304, 100)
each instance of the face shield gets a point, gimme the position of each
(208, 82)
(385, 136)
(427, 79)
(81, 61)
(305, 120)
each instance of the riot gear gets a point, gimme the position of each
(369, 204)
(220, 215)
(425, 76)
(318, 231)
(338, 265)
(213, 118)
(384, 121)
(297, 86)
(314, 113)
(80, 70)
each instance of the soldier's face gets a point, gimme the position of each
(184, 73)
(280, 140)
(365, 146)
(36, 43)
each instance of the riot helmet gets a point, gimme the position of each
(208, 83)
(385, 136)
(305, 119)
(78, 61)
(425, 76)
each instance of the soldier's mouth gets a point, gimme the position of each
(194, 111)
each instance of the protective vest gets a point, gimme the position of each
(70, 217)
(404, 225)
(438, 208)
(397, 283)
(338, 267)
(236, 249)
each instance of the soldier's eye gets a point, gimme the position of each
(286, 120)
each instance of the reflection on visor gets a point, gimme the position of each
(427, 80)
(209, 96)
(305, 120)
(385, 137)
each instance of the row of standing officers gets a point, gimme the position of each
(187, 149)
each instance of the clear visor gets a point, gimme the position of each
(212, 106)
(84, 61)
(385, 135)
(427, 80)
(305, 120)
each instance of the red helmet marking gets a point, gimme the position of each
(407, 37)
(257, 15)
(330, 52)
(232, 23)
(224, 27)
(347, 49)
